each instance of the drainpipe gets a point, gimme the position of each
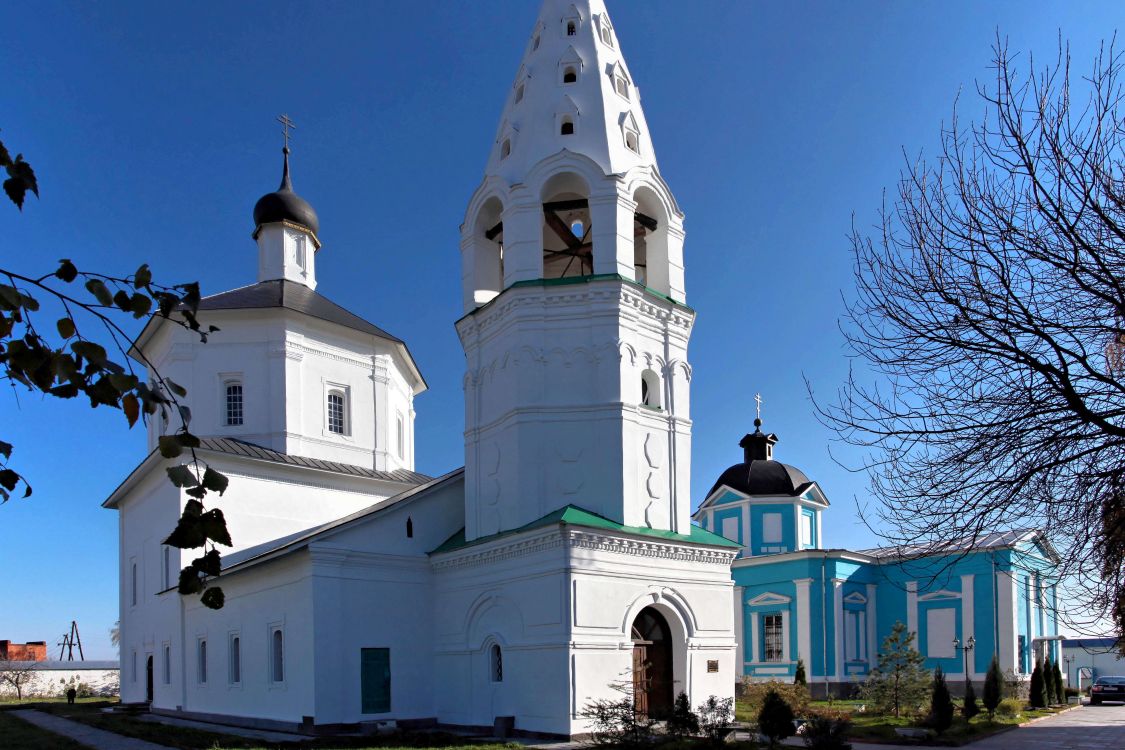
(824, 619)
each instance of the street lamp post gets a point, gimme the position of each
(1068, 660)
(965, 649)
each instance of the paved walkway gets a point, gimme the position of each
(99, 739)
(265, 735)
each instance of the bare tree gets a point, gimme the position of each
(990, 311)
(17, 674)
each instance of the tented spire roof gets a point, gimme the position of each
(573, 90)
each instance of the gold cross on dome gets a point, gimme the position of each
(758, 404)
(286, 123)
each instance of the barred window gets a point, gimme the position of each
(234, 404)
(772, 640)
(496, 666)
(337, 421)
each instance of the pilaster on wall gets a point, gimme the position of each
(872, 630)
(838, 625)
(739, 633)
(1005, 615)
(804, 630)
(912, 610)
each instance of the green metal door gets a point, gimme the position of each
(375, 679)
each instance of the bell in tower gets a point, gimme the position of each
(575, 328)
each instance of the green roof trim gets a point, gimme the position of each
(572, 515)
(568, 280)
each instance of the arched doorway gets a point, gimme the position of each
(652, 663)
(148, 679)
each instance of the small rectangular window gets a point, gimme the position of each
(806, 530)
(234, 414)
(167, 664)
(235, 660)
(201, 669)
(166, 568)
(337, 420)
(299, 246)
(133, 670)
(771, 527)
(133, 584)
(771, 628)
(375, 680)
(730, 528)
(401, 437)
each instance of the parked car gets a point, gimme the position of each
(1107, 689)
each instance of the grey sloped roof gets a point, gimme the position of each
(992, 540)
(291, 296)
(234, 447)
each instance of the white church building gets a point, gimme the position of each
(558, 564)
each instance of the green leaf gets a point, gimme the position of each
(122, 300)
(92, 352)
(132, 408)
(215, 481)
(6, 449)
(189, 581)
(182, 476)
(175, 387)
(100, 292)
(66, 327)
(187, 440)
(199, 492)
(123, 382)
(21, 179)
(66, 271)
(10, 296)
(212, 598)
(143, 277)
(210, 564)
(169, 447)
(215, 527)
(9, 479)
(140, 305)
(185, 417)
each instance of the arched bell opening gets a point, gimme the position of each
(650, 240)
(568, 247)
(488, 256)
(653, 664)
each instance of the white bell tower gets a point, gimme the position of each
(575, 328)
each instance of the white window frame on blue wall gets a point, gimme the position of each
(761, 606)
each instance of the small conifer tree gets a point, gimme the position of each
(899, 682)
(775, 720)
(993, 687)
(1048, 681)
(799, 678)
(1060, 688)
(941, 704)
(1037, 697)
(970, 707)
(682, 722)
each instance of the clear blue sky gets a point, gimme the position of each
(152, 130)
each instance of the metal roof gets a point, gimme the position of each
(234, 447)
(992, 540)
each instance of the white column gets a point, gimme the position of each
(838, 624)
(912, 611)
(523, 240)
(796, 527)
(968, 624)
(739, 633)
(804, 630)
(872, 632)
(1007, 627)
(748, 550)
(785, 636)
(754, 652)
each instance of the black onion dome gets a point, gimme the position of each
(761, 477)
(759, 474)
(285, 205)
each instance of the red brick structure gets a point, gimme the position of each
(30, 651)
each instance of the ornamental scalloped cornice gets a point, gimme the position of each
(574, 538)
(623, 295)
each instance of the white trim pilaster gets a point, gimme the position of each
(1006, 617)
(749, 549)
(755, 652)
(912, 611)
(739, 633)
(968, 622)
(838, 624)
(804, 629)
(872, 632)
(785, 636)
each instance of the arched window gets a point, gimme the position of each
(567, 127)
(337, 413)
(232, 411)
(568, 245)
(621, 86)
(570, 74)
(409, 527)
(505, 148)
(235, 670)
(650, 389)
(535, 43)
(202, 666)
(495, 663)
(519, 93)
(607, 36)
(571, 28)
(277, 656)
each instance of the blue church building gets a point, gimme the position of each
(795, 598)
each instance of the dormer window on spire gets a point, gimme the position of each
(570, 74)
(571, 28)
(605, 30)
(620, 80)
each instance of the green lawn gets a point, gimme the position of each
(185, 738)
(17, 734)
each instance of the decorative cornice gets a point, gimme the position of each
(487, 554)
